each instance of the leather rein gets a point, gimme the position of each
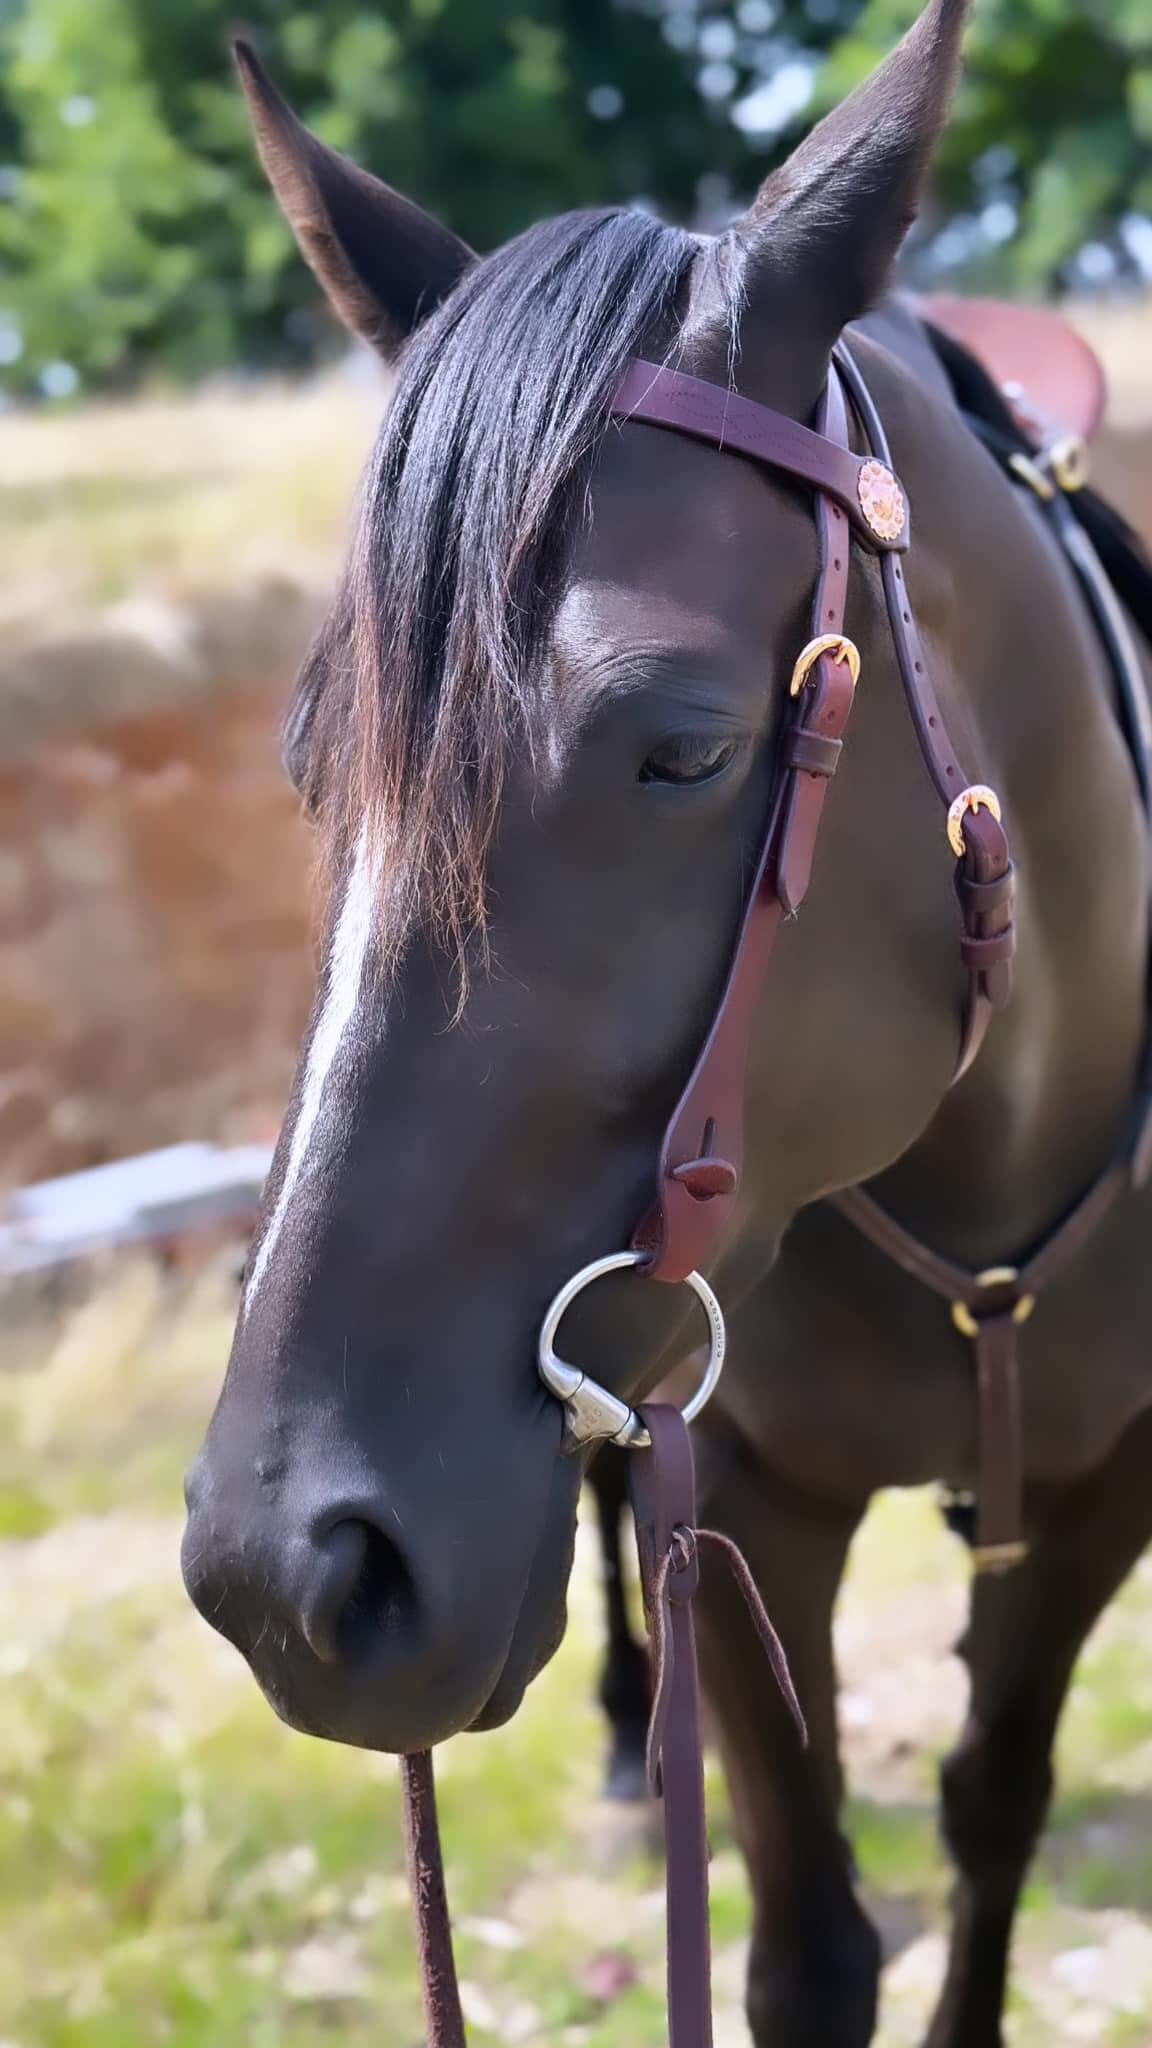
(856, 498)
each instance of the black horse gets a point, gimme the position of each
(552, 688)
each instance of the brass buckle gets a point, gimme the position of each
(1063, 466)
(1031, 474)
(978, 796)
(992, 1276)
(1069, 463)
(990, 1559)
(838, 646)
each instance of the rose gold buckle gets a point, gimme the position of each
(977, 797)
(838, 646)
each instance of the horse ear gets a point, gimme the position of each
(817, 246)
(297, 733)
(383, 262)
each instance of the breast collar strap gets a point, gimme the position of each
(857, 497)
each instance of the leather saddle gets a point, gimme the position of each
(1051, 377)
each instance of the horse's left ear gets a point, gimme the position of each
(383, 262)
(817, 247)
(297, 733)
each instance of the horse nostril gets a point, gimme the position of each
(362, 1591)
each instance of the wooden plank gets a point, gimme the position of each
(131, 1201)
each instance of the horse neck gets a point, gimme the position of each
(1027, 691)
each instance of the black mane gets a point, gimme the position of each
(470, 493)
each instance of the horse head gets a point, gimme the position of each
(539, 735)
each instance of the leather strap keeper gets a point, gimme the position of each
(983, 953)
(980, 899)
(812, 751)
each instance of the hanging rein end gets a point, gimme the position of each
(671, 1546)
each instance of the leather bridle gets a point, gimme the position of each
(856, 497)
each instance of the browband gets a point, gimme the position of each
(867, 490)
(703, 1149)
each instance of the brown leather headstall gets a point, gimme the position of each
(858, 497)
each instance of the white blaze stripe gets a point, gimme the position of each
(345, 972)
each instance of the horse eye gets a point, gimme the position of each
(688, 758)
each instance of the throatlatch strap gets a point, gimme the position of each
(984, 877)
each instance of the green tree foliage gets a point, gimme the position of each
(135, 231)
(1051, 140)
(139, 229)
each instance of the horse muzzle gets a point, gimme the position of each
(373, 1628)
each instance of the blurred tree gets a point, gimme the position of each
(135, 229)
(1046, 169)
(139, 228)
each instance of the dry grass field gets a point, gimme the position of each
(173, 497)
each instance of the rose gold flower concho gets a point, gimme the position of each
(881, 501)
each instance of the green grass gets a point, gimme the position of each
(23, 1511)
(176, 1868)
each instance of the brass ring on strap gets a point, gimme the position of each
(977, 797)
(838, 646)
(590, 1411)
(992, 1276)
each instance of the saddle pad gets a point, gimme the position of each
(1031, 347)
